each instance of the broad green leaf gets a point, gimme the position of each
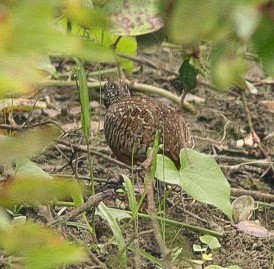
(25, 77)
(127, 45)
(28, 31)
(28, 169)
(228, 67)
(53, 256)
(246, 18)
(211, 241)
(81, 13)
(32, 190)
(191, 21)
(134, 17)
(166, 171)
(263, 43)
(114, 226)
(39, 247)
(199, 176)
(34, 30)
(27, 143)
(84, 97)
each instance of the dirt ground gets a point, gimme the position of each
(219, 122)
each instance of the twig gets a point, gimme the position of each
(147, 62)
(21, 128)
(149, 177)
(255, 194)
(137, 86)
(96, 153)
(86, 178)
(182, 225)
(242, 161)
(252, 130)
(159, 91)
(92, 202)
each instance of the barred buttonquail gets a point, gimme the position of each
(132, 122)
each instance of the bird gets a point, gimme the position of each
(131, 123)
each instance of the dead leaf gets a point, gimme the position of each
(242, 208)
(268, 105)
(253, 228)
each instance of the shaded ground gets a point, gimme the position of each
(220, 121)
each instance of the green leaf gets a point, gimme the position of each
(53, 256)
(211, 241)
(199, 176)
(86, 16)
(246, 18)
(188, 75)
(4, 219)
(21, 190)
(114, 226)
(198, 248)
(263, 43)
(127, 45)
(117, 214)
(27, 143)
(166, 171)
(191, 21)
(26, 168)
(84, 97)
(40, 247)
(228, 66)
(130, 194)
(134, 17)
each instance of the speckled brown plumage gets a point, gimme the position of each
(132, 122)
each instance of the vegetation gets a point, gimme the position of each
(218, 42)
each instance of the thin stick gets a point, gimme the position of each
(149, 177)
(137, 86)
(91, 203)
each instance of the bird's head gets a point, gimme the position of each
(114, 91)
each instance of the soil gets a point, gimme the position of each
(220, 121)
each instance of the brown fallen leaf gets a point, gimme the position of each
(253, 228)
(268, 105)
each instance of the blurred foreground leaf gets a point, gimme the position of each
(189, 21)
(40, 248)
(82, 13)
(26, 144)
(199, 176)
(32, 190)
(126, 45)
(263, 43)
(28, 169)
(28, 31)
(228, 66)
